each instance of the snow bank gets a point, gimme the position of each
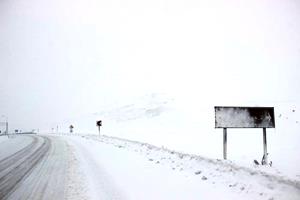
(247, 183)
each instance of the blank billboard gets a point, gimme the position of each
(244, 117)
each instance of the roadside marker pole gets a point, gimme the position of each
(7, 129)
(224, 143)
(99, 123)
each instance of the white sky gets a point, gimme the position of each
(63, 58)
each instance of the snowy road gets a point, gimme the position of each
(33, 167)
(42, 167)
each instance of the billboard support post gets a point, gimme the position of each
(224, 143)
(265, 160)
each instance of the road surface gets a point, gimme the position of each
(33, 167)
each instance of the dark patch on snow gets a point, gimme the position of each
(256, 162)
(198, 172)
(233, 185)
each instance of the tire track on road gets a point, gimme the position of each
(6, 162)
(17, 166)
(47, 180)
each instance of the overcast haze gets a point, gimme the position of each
(60, 58)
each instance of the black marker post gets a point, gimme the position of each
(99, 124)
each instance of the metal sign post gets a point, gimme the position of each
(6, 128)
(225, 143)
(99, 124)
(265, 160)
(71, 128)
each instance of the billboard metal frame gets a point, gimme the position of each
(255, 114)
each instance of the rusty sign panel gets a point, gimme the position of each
(244, 117)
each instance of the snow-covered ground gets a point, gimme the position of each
(120, 169)
(104, 167)
(177, 143)
(163, 148)
(188, 127)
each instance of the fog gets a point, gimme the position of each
(60, 59)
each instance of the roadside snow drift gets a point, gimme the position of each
(123, 169)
